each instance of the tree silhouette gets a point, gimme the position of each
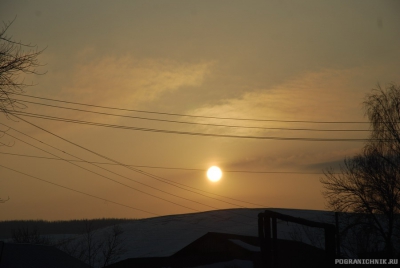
(15, 58)
(369, 183)
(96, 247)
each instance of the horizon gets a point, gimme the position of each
(152, 217)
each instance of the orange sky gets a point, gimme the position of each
(281, 60)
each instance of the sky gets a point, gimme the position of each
(265, 60)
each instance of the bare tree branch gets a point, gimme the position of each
(15, 58)
(369, 183)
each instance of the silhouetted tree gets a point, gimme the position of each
(112, 245)
(369, 183)
(15, 58)
(96, 247)
(26, 236)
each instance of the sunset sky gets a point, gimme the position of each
(265, 60)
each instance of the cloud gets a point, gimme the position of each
(124, 82)
(328, 95)
(296, 160)
(319, 96)
(127, 82)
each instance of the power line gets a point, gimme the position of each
(91, 171)
(99, 198)
(163, 199)
(60, 119)
(196, 116)
(142, 172)
(107, 177)
(195, 123)
(176, 184)
(77, 191)
(173, 168)
(120, 176)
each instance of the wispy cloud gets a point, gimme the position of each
(128, 81)
(318, 96)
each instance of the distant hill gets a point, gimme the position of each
(56, 227)
(165, 235)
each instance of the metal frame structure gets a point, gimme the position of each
(267, 226)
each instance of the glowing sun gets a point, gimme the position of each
(214, 173)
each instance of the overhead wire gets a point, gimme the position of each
(195, 116)
(163, 199)
(77, 191)
(194, 123)
(106, 177)
(164, 180)
(190, 133)
(107, 200)
(172, 168)
(60, 119)
(184, 185)
(136, 170)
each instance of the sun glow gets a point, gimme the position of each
(214, 173)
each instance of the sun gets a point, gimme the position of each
(214, 173)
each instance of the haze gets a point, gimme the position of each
(274, 60)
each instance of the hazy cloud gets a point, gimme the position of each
(128, 81)
(325, 95)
